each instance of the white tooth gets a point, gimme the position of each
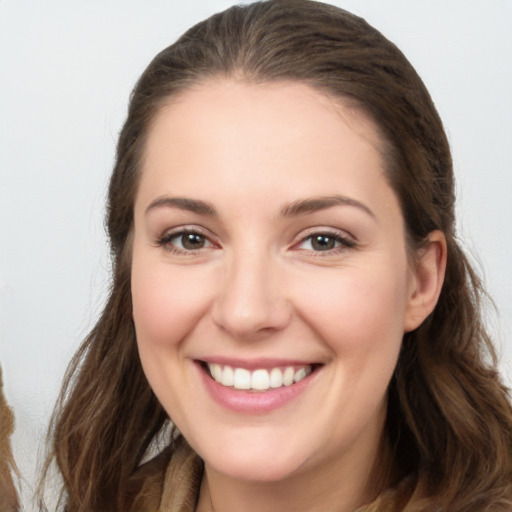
(300, 374)
(260, 380)
(242, 379)
(288, 376)
(276, 378)
(227, 376)
(216, 371)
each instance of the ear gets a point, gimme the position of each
(427, 277)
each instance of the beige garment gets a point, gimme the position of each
(170, 482)
(176, 488)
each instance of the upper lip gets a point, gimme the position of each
(257, 363)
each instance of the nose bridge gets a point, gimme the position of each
(251, 299)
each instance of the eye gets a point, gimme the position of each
(325, 242)
(184, 241)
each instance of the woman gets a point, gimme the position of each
(287, 289)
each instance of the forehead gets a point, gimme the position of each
(292, 100)
(257, 142)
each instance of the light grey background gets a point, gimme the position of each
(67, 68)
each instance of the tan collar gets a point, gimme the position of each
(182, 481)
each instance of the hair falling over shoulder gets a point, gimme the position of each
(449, 416)
(8, 495)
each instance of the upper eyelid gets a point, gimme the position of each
(187, 228)
(324, 230)
(166, 242)
(346, 240)
(168, 235)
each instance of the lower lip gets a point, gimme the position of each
(258, 402)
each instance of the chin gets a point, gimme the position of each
(254, 463)
(252, 471)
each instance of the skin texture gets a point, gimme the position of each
(259, 289)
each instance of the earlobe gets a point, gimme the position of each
(427, 281)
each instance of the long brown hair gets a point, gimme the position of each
(8, 495)
(449, 418)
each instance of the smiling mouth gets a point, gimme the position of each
(261, 379)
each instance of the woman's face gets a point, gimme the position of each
(268, 249)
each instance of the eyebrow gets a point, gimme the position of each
(183, 203)
(300, 207)
(322, 203)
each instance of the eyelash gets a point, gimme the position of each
(166, 241)
(338, 237)
(341, 241)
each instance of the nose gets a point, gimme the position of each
(252, 301)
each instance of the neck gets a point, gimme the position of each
(342, 486)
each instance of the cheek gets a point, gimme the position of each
(167, 302)
(357, 310)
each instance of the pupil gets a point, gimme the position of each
(322, 243)
(192, 241)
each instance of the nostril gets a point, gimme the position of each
(250, 317)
